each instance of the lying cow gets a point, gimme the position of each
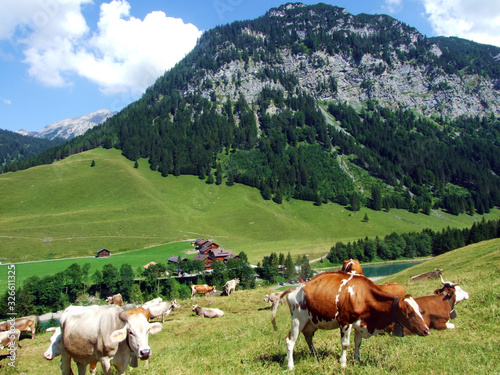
(273, 298)
(439, 307)
(230, 286)
(427, 275)
(10, 339)
(24, 324)
(162, 309)
(352, 266)
(54, 348)
(338, 300)
(106, 334)
(206, 312)
(115, 300)
(202, 289)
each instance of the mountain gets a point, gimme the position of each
(72, 127)
(314, 103)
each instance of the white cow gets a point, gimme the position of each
(105, 334)
(162, 309)
(230, 286)
(206, 312)
(9, 339)
(273, 298)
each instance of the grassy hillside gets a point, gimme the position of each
(243, 341)
(70, 209)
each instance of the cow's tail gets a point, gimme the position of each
(276, 304)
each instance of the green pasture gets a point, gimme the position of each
(69, 209)
(243, 341)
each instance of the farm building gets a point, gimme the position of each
(204, 246)
(103, 253)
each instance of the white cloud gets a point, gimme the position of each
(123, 55)
(477, 20)
(7, 101)
(392, 6)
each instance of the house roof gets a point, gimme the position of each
(146, 266)
(103, 249)
(176, 259)
(201, 257)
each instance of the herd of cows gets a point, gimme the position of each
(339, 299)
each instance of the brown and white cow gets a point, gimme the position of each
(427, 275)
(115, 300)
(230, 286)
(338, 300)
(353, 266)
(24, 324)
(439, 307)
(273, 298)
(162, 309)
(105, 334)
(206, 312)
(202, 289)
(10, 339)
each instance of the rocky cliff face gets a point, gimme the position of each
(414, 82)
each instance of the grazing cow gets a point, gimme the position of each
(230, 286)
(202, 289)
(206, 312)
(152, 302)
(273, 298)
(162, 309)
(106, 334)
(24, 324)
(352, 266)
(338, 300)
(54, 348)
(395, 289)
(115, 300)
(427, 275)
(10, 339)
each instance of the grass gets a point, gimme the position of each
(243, 341)
(69, 209)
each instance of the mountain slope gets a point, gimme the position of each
(244, 106)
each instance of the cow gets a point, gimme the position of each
(338, 300)
(395, 289)
(24, 324)
(115, 300)
(427, 275)
(162, 309)
(206, 312)
(152, 302)
(230, 286)
(54, 348)
(353, 266)
(273, 298)
(439, 307)
(10, 339)
(202, 289)
(106, 334)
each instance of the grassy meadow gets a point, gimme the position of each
(243, 341)
(70, 209)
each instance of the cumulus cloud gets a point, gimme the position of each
(477, 20)
(122, 55)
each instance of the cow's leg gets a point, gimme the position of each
(308, 332)
(106, 365)
(450, 325)
(345, 336)
(297, 327)
(358, 338)
(93, 367)
(66, 364)
(82, 368)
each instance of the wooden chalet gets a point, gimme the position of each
(176, 259)
(103, 253)
(204, 246)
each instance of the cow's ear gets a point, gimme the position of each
(154, 328)
(119, 335)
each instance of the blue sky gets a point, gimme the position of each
(66, 58)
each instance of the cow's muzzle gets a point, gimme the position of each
(145, 354)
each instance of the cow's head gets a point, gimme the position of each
(460, 294)
(136, 331)
(54, 348)
(174, 304)
(409, 314)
